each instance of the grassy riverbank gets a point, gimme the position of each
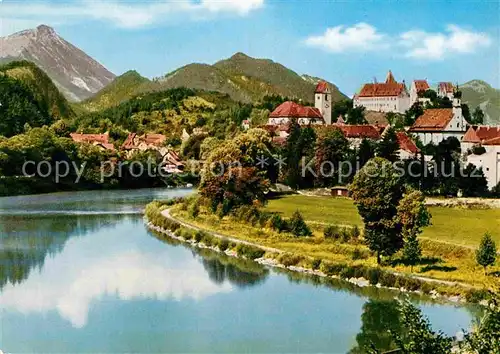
(444, 264)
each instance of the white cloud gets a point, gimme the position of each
(417, 44)
(436, 46)
(124, 14)
(82, 275)
(361, 36)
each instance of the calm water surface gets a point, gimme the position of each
(80, 273)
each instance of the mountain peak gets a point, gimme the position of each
(240, 55)
(45, 30)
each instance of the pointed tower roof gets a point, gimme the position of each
(341, 120)
(390, 78)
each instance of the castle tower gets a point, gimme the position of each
(323, 101)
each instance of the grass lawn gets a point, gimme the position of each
(454, 225)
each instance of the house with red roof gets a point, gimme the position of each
(290, 111)
(446, 89)
(99, 140)
(389, 96)
(488, 158)
(407, 147)
(438, 124)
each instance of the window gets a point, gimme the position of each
(326, 97)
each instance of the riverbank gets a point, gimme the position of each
(160, 219)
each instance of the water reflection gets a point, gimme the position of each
(106, 263)
(222, 268)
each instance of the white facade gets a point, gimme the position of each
(300, 121)
(323, 102)
(456, 127)
(396, 104)
(489, 162)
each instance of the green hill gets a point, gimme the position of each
(28, 96)
(477, 93)
(119, 90)
(243, 78)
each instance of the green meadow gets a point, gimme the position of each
(459, 226)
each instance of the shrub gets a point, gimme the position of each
(277, 223)
(358, 254)
(315, 263)
(198, 236)
(194, 210)
(355, 232)
(224, 244)
(331, 231)
(249, 251)
(373, 275)
(345, 234)
(289, 259)
(331, 268)
(298, 226)
(477, 295)
(387, 279)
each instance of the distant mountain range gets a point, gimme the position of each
(479, 93)
(77, 75)
(243, 78)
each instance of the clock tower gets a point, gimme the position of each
(323, 101)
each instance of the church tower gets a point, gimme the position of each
(323, 101)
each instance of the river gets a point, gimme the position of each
(79, 273)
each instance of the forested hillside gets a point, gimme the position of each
(28, 96)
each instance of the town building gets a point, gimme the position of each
(390, 96)
(323, 101)
(446, 89)
(489, 161)
(288, 111)
(487, 155)
(407, 147)
(438, 124)
(417, 89)
(476, 135)
(99, 140)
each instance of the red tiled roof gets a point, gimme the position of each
(294, 110)
(481, 133)
(381, 90)
(322, 87)
(390, 78)
(421, 85)
(446, 87)
(494, 141)
(406, 143)
(433, 119)
(90, 138)
(148, 139)
(359, 131)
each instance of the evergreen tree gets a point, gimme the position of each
(487, 252)
(477, 116)
(388, 147)
(412, 252)
(298, 226)
(366, 151)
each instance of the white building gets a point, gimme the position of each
(446, 89)
(288, 111)
(389, 96)
(488, 161)
(487, 137)
(417, 88)
(438, 124)
(320, 114)
(323, 101)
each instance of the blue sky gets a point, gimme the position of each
(345, 42)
